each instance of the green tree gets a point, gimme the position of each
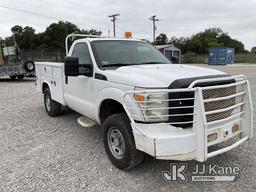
(161, 39)
(180, 43)
(202, 41)
(54, 35)
(253, 50)
(8, 41)
(1, 41)
(28, 38)
(17, 31)
(52, 39)
(229, 42)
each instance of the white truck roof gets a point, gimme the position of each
(106, 39)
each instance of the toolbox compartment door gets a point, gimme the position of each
(57, 85)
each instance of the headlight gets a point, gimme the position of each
(154, 106)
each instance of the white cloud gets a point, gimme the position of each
(178, 17)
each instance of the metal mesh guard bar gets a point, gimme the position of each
(223, 150)
(136, 110)
(216, 80)
(200, 126)
(232, 106)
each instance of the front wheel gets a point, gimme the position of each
(119, 142)
(52, 107)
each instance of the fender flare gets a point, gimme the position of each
(45, 82)
(107, 93)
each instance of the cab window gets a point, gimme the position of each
(81, 51)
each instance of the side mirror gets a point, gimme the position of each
(73, 68)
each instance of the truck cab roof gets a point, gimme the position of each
(105, 39)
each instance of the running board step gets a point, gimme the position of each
(86, 122)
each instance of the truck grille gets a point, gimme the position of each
(185, 101)
(209, 106)
(222, 101)
(222, 104)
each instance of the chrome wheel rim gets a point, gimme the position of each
(116, 142)
(30, 66)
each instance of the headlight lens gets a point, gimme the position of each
(154, 106)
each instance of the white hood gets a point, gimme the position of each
(158, 75)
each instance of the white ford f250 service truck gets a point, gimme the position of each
(144, 103)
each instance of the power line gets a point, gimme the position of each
(29, 12)
(78, 4)
(41, 15)
(26, 4)
(154, 19)
(114, 18)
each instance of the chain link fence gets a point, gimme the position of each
(59, 56)
(42, 55)
(203, 59)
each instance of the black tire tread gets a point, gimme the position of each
(55, 106)
(136, 156)
(26, 66)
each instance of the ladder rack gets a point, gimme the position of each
(73, 35)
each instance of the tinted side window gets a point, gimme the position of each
(82, 52)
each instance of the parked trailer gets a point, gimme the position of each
(11, 64)
(18, 71)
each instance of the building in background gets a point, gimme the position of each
(171, 52)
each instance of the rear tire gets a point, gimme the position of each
(52, 107)
(20, 76)
(119, 142)
(13, 77)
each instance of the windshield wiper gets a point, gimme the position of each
(152, 62)
(118, 64)
(128, 64)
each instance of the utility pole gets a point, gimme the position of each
(154, 19)
(114, 18)
(108, 30)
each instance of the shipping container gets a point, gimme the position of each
(221, 56)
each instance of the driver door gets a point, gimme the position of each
(78, 90)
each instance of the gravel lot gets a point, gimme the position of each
(39, 153)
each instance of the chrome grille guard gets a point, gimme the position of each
(239, 111)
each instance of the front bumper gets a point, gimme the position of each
(165, 141)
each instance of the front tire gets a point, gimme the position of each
(119, 142)
(52, 107)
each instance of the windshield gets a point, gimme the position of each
(122, 53)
